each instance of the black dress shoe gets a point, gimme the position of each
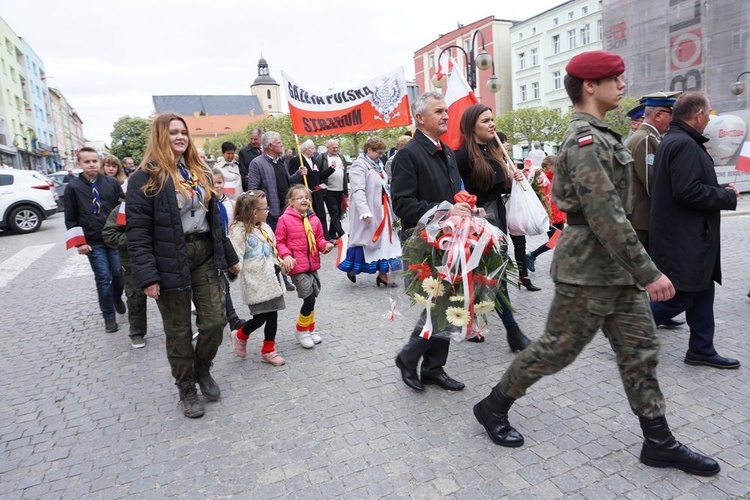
(352, 277)
(444, 381)
(714, 361)
(409, 375)
(387, 284)
(671, 324)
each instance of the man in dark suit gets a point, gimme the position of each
(424, 175)
(684, 233)
(248, 154)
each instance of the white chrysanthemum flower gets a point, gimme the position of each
(433, 286)
(457, 298)
(420, 299)
(484, 307)
(457, 316)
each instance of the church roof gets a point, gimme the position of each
(188, 105)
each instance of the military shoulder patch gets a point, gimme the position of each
(585, 140)
(650, 159)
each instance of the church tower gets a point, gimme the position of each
(266, 90)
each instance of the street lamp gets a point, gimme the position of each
(738, 87)
(474, 61)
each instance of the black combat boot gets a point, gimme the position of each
(189, 400)
(661, 449)
(517, 341)
(208, 385)
(492, 413)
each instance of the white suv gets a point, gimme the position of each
(26, 199)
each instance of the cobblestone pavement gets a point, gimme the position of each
(84, 416)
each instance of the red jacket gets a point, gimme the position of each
(558, 216)
(291, 240)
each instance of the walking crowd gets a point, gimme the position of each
(177, 231)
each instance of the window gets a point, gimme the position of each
(535, 89)
(556, 80)
(585, 36)
(268, 95)
(523, 93)
(599, 29)
(534, 57)
(467, 45)
(584, 10)
(432, 61)
(739, 39)
(570, 15)
(571, 39)
(521, 60)
(645, 64)
(556, 44)
(520, 37)
(533, 31)
(555, 21)
(13, 74)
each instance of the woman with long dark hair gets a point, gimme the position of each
(179, 251)
(487, 175)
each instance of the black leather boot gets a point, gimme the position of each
(528, 285)
(661, 449)
(492, 413)
(189, 401)
(206, 382)
(517, 341)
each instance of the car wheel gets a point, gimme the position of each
(25, 220)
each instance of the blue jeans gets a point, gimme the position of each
(105, 262)
(699, 314)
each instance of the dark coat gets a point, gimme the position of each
(686, 199)
(495, 193)
(314, 177)
(423, 177)
(79, 209)
(156, 242)
(246, 155)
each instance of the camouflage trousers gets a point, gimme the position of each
(136, 301)
(576, 314)
(208, 294)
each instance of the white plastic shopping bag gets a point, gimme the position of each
(524, 211)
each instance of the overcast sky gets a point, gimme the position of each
(109, 57)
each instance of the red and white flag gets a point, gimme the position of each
(121, 215)
(74, 237)
(458, 97)
(342, 245)
(445, 64)
(743, 162)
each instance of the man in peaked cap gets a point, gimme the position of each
(600, 270)
(656, 109)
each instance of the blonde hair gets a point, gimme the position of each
(293, 189)
(113, 160)
(244, 209)
(160, 163)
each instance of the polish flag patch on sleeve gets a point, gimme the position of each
(74, 237)
(585, 140)
(121, 215)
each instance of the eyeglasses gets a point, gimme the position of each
(668, 111)
(301, 198)
(264, 208)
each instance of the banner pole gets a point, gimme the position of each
(302, 162)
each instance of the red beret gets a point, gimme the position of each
(595, 65)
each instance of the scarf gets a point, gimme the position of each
(190, 182)
(312, 246)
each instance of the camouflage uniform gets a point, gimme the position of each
(599, 269)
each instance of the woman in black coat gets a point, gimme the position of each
(179, 253)
(484, 172)
(315, 177)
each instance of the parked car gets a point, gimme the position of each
(61, 180)
(26, 199)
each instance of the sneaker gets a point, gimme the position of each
(240, 346)
(137, 342)
(272, 358)
(531, 260)
(110, 326)
(315, 336)
(120, 306)
(304, 339)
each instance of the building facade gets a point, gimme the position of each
(15, 132)
(542, 45)
(266, 90)
(496, 34)
(36, 96)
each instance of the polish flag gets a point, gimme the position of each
(458, 97)
(342, 245)
(445, 64)
(743, 162)
(121, 215)
(74, 237)
(553, 239)
(229, 190)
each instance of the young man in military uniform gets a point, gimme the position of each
(600, 271)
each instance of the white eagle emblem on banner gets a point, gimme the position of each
(387, 96)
